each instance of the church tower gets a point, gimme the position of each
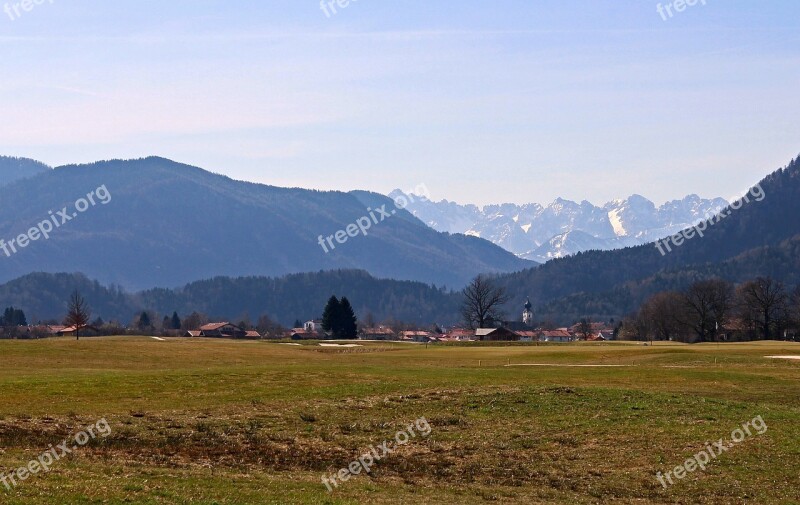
(527, 315)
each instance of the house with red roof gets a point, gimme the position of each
(222, 330)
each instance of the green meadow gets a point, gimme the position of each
(222, 422)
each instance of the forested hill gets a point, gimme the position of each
(13, 169)
(167, 224)
(299, 296)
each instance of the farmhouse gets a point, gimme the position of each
(416, 336)
(379, 333)
(496, 335)
(222, 330)
(461, 335)
(528, 335)
(302, 334)
(556, 336)
(69, 331)
(602, 336)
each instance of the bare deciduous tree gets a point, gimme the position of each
(663, 314)
(708, 307)
(194, 321)
(634, 328)
(78, 313)
(482, 302)
(765, 302)
(794, 311)
(585, 328)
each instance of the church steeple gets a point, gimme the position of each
(527, 314)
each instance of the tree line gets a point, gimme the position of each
(13, 317)
(716, 310)
(339, 321)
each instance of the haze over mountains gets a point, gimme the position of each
(168, 224)
(13, 169)
(563, 228)
(762, 238)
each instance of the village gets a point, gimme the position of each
(493, 331)
(690, 317)
(312, 330)
(500, 331)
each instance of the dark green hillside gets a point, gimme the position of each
(13, 169)
(168, 224)
(303, 296)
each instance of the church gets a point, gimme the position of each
(527, 319)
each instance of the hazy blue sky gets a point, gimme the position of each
(482, 101)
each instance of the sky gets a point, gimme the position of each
(481, 101)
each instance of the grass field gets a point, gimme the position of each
(221, 422)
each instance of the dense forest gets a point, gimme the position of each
(284, 299)
(715, 310)
(13, 169)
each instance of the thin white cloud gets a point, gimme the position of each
(153, 38)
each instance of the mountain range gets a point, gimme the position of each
(759, 238)
(744, 241)
(166, 224)
(564, 227)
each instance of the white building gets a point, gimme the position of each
(314, 326)
(527, 315)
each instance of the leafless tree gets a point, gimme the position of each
(708, 307)
(78, 314)
(765, 302)
(482, 302)
(585, 328)
(794, 311)
(369, 320)
(267, 327)
(194, 321)
(634, 328)
(663, 314)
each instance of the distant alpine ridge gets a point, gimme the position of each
(564, 227)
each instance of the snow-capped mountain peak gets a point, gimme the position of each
(564, 227)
